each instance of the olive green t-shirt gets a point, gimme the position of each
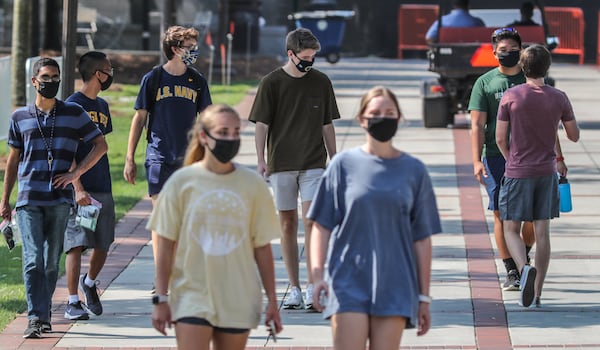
(295, 109)
(485, 97)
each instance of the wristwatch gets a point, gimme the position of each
(159, 299)
(425, 299)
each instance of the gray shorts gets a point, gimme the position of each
(529, 199)
(286, 185)
(102, 238)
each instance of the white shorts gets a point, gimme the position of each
(286, 185)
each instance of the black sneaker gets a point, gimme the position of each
(92, 300)
(527, 285)
(34, 329)
(46, 327)
(75, 311)
(512, 281)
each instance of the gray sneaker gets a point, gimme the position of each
(76, 312)
(92, 300)
(34, 329)
(512, 281)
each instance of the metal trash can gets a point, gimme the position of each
(436, 105)
(327, 26)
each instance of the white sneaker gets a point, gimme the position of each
(309, 297)
(294, 299)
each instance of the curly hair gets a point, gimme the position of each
(175, 36)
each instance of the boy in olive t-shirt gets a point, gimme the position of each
(293, 111)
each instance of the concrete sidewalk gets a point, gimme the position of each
(470, 311)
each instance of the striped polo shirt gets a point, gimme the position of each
(71, 124)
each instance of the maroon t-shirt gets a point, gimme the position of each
(534, 113)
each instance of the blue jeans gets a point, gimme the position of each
(42, 232)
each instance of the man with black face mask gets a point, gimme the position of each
(488, 163)
(43, 139)
(97, 75)
(293, 111)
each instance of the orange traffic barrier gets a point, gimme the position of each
(413, 23)
(566, 23)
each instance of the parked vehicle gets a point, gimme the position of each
(461, 55)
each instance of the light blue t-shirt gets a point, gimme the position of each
(376, 209)
(456, 18)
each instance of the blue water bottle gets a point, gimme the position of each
(564, 190)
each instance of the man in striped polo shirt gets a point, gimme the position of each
(43, 139)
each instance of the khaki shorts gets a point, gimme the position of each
(286, 185)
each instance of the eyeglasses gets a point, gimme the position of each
(48, 79)
(190, 47)
(110, 72)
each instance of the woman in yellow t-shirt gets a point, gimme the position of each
(215, 220)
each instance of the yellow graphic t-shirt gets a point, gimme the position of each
(217, 221)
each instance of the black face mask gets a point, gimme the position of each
(48, 89)
(106, 84)
(382, 129)
(224, 150)
(304, 66)
(508, 59)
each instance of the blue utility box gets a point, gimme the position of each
(327, 26)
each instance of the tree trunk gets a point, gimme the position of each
(69, 41)
(20, 47)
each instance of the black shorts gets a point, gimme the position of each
(203, 322)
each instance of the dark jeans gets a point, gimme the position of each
(42, 232)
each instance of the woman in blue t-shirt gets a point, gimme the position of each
(374, 213)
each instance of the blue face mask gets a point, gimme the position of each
(189, 56)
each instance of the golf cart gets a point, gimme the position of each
(461, 55)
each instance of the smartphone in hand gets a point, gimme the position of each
(273, 330)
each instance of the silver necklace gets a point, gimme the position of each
(47, 144)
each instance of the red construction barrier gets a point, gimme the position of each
(413, 23)
(529, 34)
(566, 23)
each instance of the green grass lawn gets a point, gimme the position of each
(121, 99)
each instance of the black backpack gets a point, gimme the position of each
(154, 85)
